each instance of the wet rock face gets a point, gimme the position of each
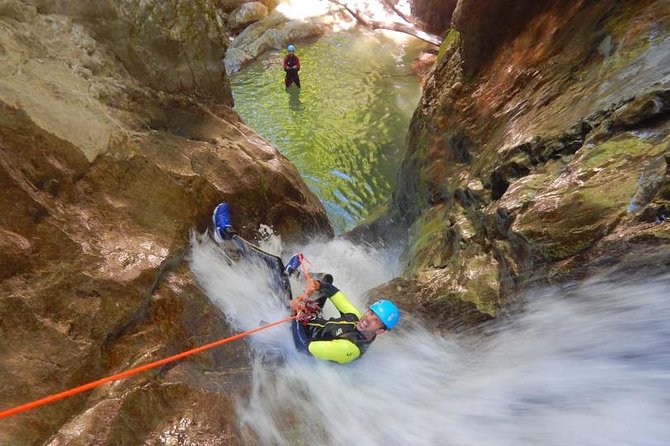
(434, 15)
(167, 45)
(247, 13)
(540, 146)
(488, 25)
(189, 401)
(104, 173)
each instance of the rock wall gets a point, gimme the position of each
(115, 142)
(171, 45)
(541, 144)
(434, 15)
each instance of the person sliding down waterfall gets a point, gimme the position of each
(291, 67)
(341, 339)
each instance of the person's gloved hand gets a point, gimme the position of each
(304, 309)
(311, 285)
(297, 305)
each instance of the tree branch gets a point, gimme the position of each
(406, 28)
(395, 9)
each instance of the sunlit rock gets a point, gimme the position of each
(273, 32)
(247, 13)
(117, 140)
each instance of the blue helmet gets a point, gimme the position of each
(386, 312)
(291, 48)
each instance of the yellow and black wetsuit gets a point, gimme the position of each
(334, 339)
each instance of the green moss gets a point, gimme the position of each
(375, 214)
(568, 221)
(428, 226)
(581, 218)
(565, 249)
(613, 194)
(617, 151)
(180, 22)
(482, 285)
(419, 141)
(427, 240)
(620, 24)
(451, 37)
(525, 189)
(263, 184)
(630, 34)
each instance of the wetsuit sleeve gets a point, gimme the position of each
(339, 299)
(297, 63)
(285, 62)
(337, 350)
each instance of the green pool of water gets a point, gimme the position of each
(345, 129)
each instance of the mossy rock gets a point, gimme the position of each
(429, 233)
(451, 38)
(588, 198)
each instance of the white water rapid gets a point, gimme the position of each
(586, 365)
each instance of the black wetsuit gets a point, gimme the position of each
(334, 339)
(291, 67)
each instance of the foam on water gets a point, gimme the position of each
(588, 365)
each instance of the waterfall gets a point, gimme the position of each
(587, 364)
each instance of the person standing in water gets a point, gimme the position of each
(291, 67)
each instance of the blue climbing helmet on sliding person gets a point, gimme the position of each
(291, 49)
(387, 312)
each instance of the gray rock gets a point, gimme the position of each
(247, 13)
(272, 33)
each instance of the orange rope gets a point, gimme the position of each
(303, 261)
(305, 271)
(59, 396)
(303, 312)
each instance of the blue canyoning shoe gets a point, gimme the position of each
(223, 228)
(293, 264)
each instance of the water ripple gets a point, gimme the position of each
(345, 130)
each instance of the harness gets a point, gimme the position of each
(291, 61)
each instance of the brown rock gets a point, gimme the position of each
(105, 169)
(536, 102)
(422, 65)
(435, 15)
(247, 13)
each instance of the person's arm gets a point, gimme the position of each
(297, 63)
(285, 63)
(339, 299)
(338, 350)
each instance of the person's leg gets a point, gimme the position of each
(300, 338)
(297, 80)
